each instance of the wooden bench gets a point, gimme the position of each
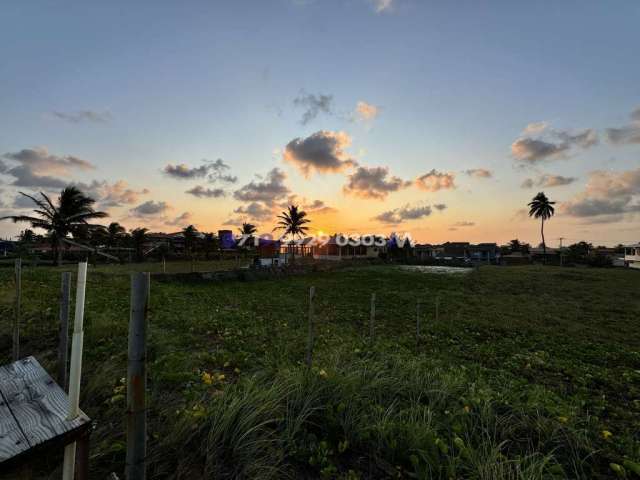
(33, 418)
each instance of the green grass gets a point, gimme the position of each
(518, 377)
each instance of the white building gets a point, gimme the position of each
(632, 255)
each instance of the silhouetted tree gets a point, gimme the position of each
(293, 223)
(138, 239)
(541, 207)
(70, 215)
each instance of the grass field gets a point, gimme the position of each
(528, 372)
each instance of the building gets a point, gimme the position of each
(632, 255)
(484, 252)
(335, 248)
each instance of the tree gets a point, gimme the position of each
(541, 207)
(293, 223)
(138, 238)
(114, 234)
(247, 230)
(70, 215)
(190, 234)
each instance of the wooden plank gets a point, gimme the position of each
(12, 440)
(38, 404)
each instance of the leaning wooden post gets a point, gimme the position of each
(372, 317)
(137, 379)
(417, 322)
(63, 341)
(312, 292)
(18, 299)
(76, 369)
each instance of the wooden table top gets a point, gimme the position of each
(33, 411)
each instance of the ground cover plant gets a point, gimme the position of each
(527, 372)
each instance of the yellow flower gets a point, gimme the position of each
(221, 377)
(606, 434)
(206, 378)
(237, 370)
(563, 419)
(467, 409)
(323, 373)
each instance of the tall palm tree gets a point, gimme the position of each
(70, 215)
(247, 230)
(541, 207)
(293, 223)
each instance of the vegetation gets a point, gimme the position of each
(70, 215)
(526, 372)
(541, 207)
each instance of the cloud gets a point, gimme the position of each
(150, 208)
(109, 195)
(255, 211)
(201, 192)
(433, 181)
(313, 105)
(439, 206)
(547, 180)
(20, 201)
(268, 190)
(181, 219)
(382, 6)
(322, 152)
(36, 167)
(373, 182)
(365, 111)
(398, 215)
(80, 116)
(550, 143)
(535, 128)
(316, 206)
(627, 134)
(213, 171)
(463, 224)
(606, 193)
(479, 173)
(533, 150)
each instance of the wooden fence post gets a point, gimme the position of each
(75, 374)
(137, 379)
(312, 292)
(63, 341)
(18, 299)
(372, 317)
(164, 265)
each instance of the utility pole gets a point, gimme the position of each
(561, 251)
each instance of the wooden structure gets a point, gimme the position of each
(34, 418)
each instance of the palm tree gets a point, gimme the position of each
(541, 207)
(138, 238)
(247, 230)
(70, 215)
(293, 223)
(114, 233)
(190, 235)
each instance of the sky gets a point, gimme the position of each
(438, 119)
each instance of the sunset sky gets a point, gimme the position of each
(438, 118)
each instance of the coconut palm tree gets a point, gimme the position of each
(247, 230)
(293, 223)
(541, 207)
(138, 238)
(70, 215)
(190, 235)
(114, 233)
